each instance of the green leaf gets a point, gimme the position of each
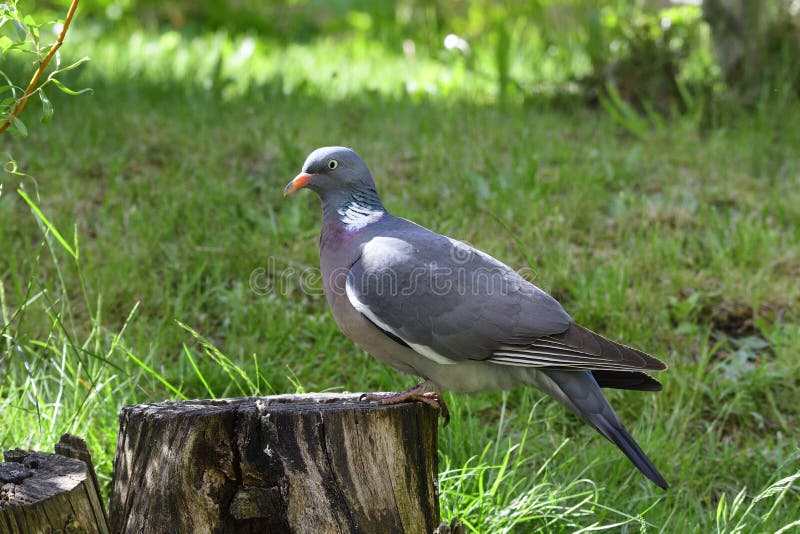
(19, 127)
(22, 33)
(69, 91)
(75, 65)
(5, 42)
(47, 107)
(21, 45)
(33, 28)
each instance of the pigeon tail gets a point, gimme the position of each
(619, 436)
(580, 392)
(632, 380)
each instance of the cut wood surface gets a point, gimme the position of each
(46, 493)
(290, 463)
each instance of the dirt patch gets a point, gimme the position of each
(732, 320)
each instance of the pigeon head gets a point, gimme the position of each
(343, 182)
(331, 171)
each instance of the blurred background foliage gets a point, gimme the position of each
(643, 57)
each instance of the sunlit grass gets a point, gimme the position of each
(127, 278)
(231, 66)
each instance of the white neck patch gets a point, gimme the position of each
(355, 215)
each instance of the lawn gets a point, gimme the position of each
(139, 276)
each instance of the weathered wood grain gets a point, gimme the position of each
(75, 447)
(46, 493)
(296, 463)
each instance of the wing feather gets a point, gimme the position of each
(580, 348)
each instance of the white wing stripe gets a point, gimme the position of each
(536, 353)
(429, 353)
(560, 364)
(364, 309)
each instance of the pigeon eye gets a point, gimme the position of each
(332, 164)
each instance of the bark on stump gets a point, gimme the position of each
(290, 463)
(45, 493)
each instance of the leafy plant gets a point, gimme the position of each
(653, 61)
(757, 45)
(22, 36)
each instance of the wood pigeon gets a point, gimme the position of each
(434, 307)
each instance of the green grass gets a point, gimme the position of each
(160, 196)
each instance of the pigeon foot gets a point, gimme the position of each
(416, 393)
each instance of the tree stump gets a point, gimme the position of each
(289, 463)
(45, 493)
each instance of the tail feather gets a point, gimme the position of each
(634, 380)
(580, 392)
(619, 436)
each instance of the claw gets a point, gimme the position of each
(437, 401)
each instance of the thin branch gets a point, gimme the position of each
(42, 66)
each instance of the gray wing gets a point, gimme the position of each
(451, 302)
(446, 299)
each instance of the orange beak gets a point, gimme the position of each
(299, 182)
